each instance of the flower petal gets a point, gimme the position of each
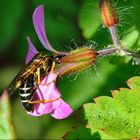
(63, 111)
(38, 21)
(31, 51)
(58, 108)
(47, 92)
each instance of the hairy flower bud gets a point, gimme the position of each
(77, 60)
(80, 55)
(108, 13)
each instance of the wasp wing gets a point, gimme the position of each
(29, 69)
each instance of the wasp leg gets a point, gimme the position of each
(43, 101)
(53, 66)
(38, 76)
(47, 84)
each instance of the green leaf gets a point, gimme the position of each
(6, 125)
(89, 18)
(134, 83)
(115, 117)
(118, 116)
(81, 133)
(10, 12)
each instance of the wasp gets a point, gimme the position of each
(29, 76)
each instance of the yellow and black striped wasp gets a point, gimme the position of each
(33, 72)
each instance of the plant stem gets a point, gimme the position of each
(118, 45)
(107, 51)
(131, 53)
(115, 37)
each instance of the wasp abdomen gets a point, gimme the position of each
(26, 93)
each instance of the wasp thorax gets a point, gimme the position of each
(41, 55)
(76, 60)
(108, 13)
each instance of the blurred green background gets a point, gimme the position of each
(69, 23)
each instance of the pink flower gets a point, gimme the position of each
(57, 108)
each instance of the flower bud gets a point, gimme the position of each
(79, 55)
(77, 60)
(108, 13)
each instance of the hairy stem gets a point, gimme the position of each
(115, 37)
(131, 53)
(107, 51)
(118, 45)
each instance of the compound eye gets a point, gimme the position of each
(57, 58)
